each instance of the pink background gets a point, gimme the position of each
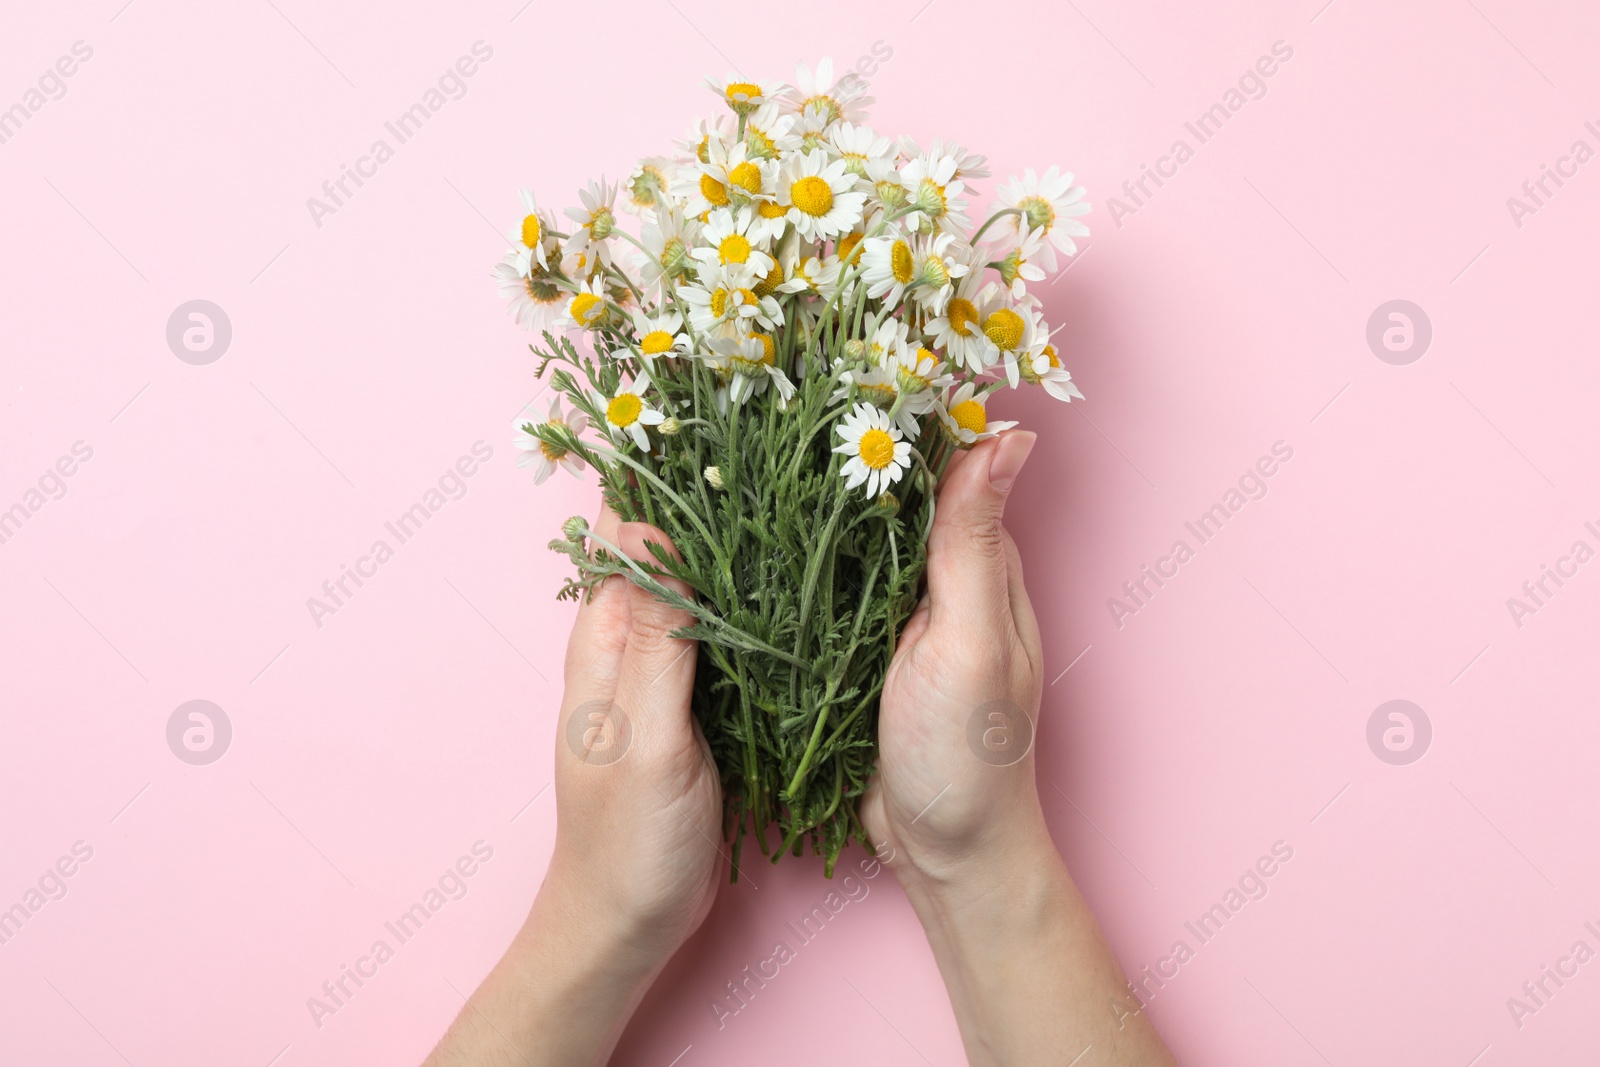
(1224, 315)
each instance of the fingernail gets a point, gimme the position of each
(1009, 456)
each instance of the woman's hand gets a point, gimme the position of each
(955, 812)
(638, 822)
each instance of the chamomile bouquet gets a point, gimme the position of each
(773, 363)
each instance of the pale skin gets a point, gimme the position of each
(638, 854)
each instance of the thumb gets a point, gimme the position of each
(657, 668)
(967, 566)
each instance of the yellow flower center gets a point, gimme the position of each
(877, 448)
(702, 151)
(962, 315)
(812, 195)
(900, 262)
(586, 308)
(719, 302)
(734, 248)
(714, 191)
(769, 284)
(1050, 354)
(552, 452)
(624, 409)
(1004, 327)
(769, 209)
(746, 176)
(1038, 213)
(655, 342)
(741, 92)
(769, 354)
(969, 415)
(531, 230)
(846, 248)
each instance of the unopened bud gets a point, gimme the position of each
(670, 426)
(888, 501)
(576, 528)
(714, 476)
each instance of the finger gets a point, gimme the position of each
(1022, 614)
(968, 574)
(600, 632)
(657, 670)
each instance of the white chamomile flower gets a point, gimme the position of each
(734, 239)
(968, 165)
(726, 294)
(887, 268)
(878, 454)
(1050, 203)
(922, 266)
(647, 187)
(860, 148)
(920, 376)
(1043, 367)
(627, 414)
(535, 300)
(1012, 329)
(742, 96)
(958, 332)
(887, 341)
(660, 334)
(751, 361)
(543, 456)
(702, 134)
(935, 192)
(668, 237)
(837, 100)
(596, 220)
(532, 236)
(1020, 264)
(810, 274)
(820, 195)
(727, 178)
(965, 418)
(768, 133)
(586, 308)
(812, 128)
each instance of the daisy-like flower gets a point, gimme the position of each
(933, 189)
(702, 134)
(531, 236)
(965, 418)
(968, 165)
(751, 362)
(810, 274)
(660, 334)
(727, 178)
(768, 133)
(878, 453)
(647, 187)
(1050, 204)
(535, 300)
(844, 99)
(820, 196)
(934, 271)
(812, 128)
(668, 237)
(586, 308)
(1019, 265)
(742, 96)
(920, 374)
(627, 414)
(1012, 329)
(596, 222)
(959, 331)
(543, 456)
(888, 268)
(726, 294)
(734, 239)
(1043, 367)
(860, 148)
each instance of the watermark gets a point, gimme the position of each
(50, 886)
(51, 85)
(1537, 192)
(1399, 732)
(1537, 592)
(1252, 485)
(1000, 733)
(1252, 85)
(199, 332)
(1251, 886)
(337, 992)
(1399, 332)
(51, 486)
(337, 192)
(199, 732)
(1536, 992)
(599, 733)
(452, 485)
(804, 930)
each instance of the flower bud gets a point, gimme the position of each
(576, 528)
(670, 426)
(714, 476)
